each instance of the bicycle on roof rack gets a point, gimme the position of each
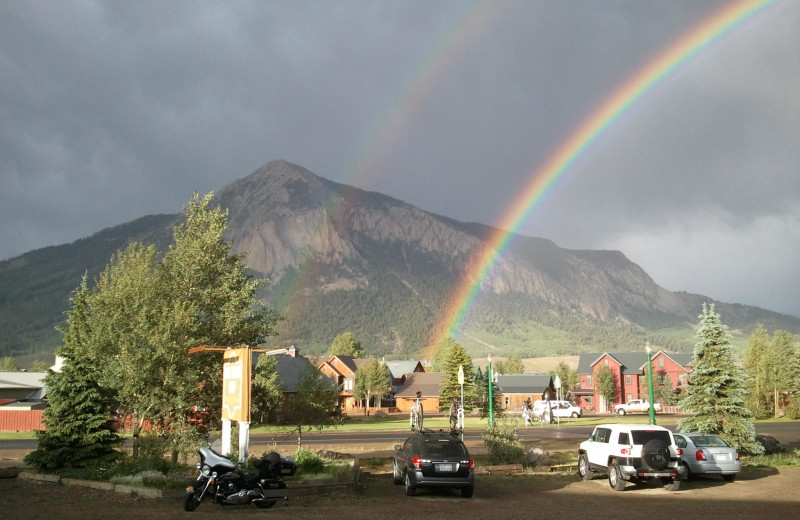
(417, 414)
(457, 415)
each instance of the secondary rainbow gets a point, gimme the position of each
(544, 178)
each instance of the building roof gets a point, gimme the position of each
(523, 383)
(400, 368)
(633, 361)
(22, 382)
(428, 383)
(290, 371)
(351, 363)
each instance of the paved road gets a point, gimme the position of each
(788, 433)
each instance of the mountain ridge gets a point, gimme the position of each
(341, 258)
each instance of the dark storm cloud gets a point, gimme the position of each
(112, 110)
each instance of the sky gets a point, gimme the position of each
(111, 110)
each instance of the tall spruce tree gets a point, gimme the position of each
(78, 428)
(716, 388)
(755, 358)
(782, 374)
(450, 387)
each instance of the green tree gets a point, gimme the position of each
(482, 383)
(513, 365)
(569, 379)
(346, 344)
(9, 364)
(782, 371)
(40, 366)
(607, 384)
(450, 387)
(78, 429)
(755, 357)
(716, 392)
(315, 405)
(372, 379)
(265, 391)
(441, 351)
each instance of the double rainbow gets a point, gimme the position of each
(685, 48)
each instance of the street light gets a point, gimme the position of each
(491, 398)
(650, 382)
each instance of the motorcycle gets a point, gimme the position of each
(221, 481)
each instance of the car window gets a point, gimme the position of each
(444, 448)
(709, 440)
(680, 441)
(601, 435)
(640, 437)
(624, 438)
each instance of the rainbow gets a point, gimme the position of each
(543, 179)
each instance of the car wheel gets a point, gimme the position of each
(621, 411)
(584, 470)
(615, 479)
(686, 476)
(574, 415)
(729, 478)
(397, 474)
(671, 484)
(410, 491)
(466, 492)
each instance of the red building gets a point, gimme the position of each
(630, 376)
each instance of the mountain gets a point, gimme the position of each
(343, 259)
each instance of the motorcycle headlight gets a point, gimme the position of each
(206, 470)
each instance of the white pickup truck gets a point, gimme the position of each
(636, 405)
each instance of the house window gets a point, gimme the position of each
(605, 361)
(630, 396)
(588, 380)
(627, 379)
(682, 379)
(507, 400)
(661, 362)
(588, 399)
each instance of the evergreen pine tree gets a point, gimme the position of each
(450, 387)
(716, 389)
(755, 366)
(78, 429)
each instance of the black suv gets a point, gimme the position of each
(434, 459)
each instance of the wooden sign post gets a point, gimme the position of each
(237, 375)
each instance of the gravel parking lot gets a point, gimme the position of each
(765, 494)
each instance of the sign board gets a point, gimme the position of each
(460, 374)
(557, 382)
(236, 373)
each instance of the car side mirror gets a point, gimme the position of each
(397, 447)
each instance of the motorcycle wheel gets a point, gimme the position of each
(192, 501)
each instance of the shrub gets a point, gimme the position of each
(502, 441)
(308, 462)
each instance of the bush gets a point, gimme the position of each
(502, 441)
(308, 462)
(793, 409)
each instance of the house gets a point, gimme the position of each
(514, 389)
(630, 376)
(342, 369)
(428, 384)
(399, 370)
(22, 400)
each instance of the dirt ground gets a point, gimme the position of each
(766, 494)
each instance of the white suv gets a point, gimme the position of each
(631, 452)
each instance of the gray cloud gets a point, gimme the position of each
(113, 110)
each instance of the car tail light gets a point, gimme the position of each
(737, 454)
(417, 461)
(679, 451)
(699, 455)
(472, 463)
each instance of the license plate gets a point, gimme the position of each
(444, 467)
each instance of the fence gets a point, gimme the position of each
(21, 420)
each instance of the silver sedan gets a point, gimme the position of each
(707, 454)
